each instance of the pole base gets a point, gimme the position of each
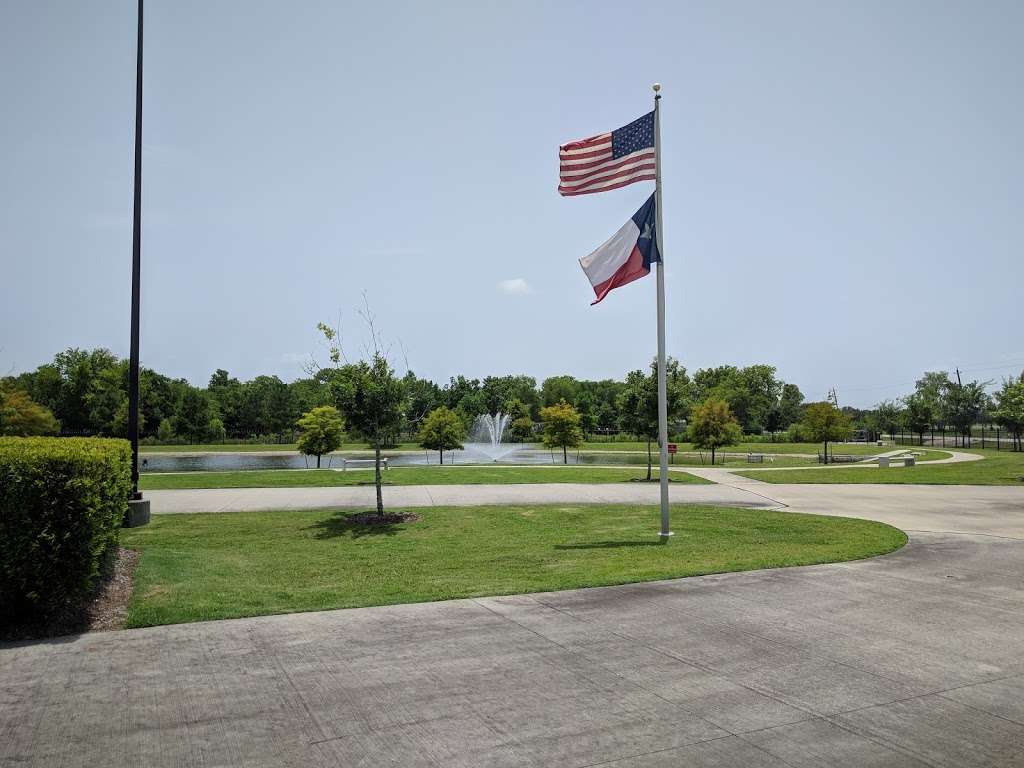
(138, 513)
(666, 535)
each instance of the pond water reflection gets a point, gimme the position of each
(222, 462)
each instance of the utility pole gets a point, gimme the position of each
(138, 508)
(833, 397)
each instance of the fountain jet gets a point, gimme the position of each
(486, 434)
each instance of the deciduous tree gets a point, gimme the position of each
(713, 426)
(607, 418)
(824, 423)
(791, 400)
(561, 428)
(371, 399)
(963, 406)
(119, 424)
(499, 391)
(886, 417)
(272, 405)
(521, 430)
(464, 395)
(165, 432)
(585, 406)
(558, 388)
(422, 396)
(192, 419)
(638, 402)
(918, 414)
(1009, 411)
(21, 416)
(442, 430)
(321, 431)
(931, 389)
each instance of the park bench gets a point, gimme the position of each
(346, 462)
(907, 461)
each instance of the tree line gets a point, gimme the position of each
(84, 392)
(939, 403)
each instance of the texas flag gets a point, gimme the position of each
(627, 255)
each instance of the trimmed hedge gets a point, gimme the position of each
(62, 502)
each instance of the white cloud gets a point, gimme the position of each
(515, 286)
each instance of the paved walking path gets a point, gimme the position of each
(731, 490)
(955, 457)
(251, 499)
(912, 659)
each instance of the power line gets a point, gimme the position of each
(953, 369)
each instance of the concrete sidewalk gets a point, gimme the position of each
(254, 499)
(715, 474)
(912, 659)
(993, 510)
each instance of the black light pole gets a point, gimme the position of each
(138, 508)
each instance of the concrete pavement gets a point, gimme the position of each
(731, 490)
(993, 510)
(990, 510)
(253, 499)
(955, 457)
(911, 659)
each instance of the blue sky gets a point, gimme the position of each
(843, 184)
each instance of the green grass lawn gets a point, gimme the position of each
(855, 449)
(209, 566)
(287, 478)
(997, 468)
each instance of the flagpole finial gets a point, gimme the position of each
(656, 87)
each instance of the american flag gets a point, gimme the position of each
(608, 161)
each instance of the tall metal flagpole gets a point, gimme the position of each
(662, 383)
(138, 509)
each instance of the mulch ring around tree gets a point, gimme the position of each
(388, 518)
(104, 608)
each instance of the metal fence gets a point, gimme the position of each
(979, 437)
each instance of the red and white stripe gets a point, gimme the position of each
(586, 166)
(616, 262)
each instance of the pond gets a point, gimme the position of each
(224, 462)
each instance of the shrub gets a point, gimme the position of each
(62, 501)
